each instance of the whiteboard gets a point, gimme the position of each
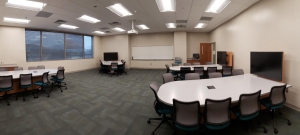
(152, 52)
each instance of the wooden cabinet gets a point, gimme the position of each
(192, 61)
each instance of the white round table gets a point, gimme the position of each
(36, 72)
(196, 90)
(177, 68)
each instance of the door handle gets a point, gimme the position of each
(202, 50)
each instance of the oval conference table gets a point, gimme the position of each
(197, 90)
(36, 76)
(177, 68)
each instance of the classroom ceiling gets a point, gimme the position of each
(144, 12)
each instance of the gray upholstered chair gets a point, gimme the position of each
(40, 67)
(114, 69)
(187, 64)
(248, 108)
(6, 84)
(42, 83)
(32, 68)
(58, 80)
(226, 71)
(183, 71)
(211, 69)
(237, 72)
(178, 60)
(215, 75)
(217, 114)
(187, 116)
(276, 101)
(200, 71)
(168, 77)
(61, 68)
(18, 68)
(208, 63)
(3, 69)
(192, 76)
(25, 83)
(160, 108)
(175, 64)
(196, 63)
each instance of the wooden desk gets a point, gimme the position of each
(192, 61)
(10, 67)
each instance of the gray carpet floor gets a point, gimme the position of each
(97, 104)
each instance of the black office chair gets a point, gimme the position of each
(42, 83)
(167, 77)
(25, 82)
(6, 84)
(57, 81)
(122, 67)
(160, 108)
(40, 67)
(275, 101)
(183, 71)
(102, 68)
(114, 69)
(248, 108)
(211, 70)
(187, 116)
(226, 71)
(237, 72)
(200, 71)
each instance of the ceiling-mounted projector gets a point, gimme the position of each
(132, 31)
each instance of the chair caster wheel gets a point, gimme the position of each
(289, 123)
(16, 99)
(8, 104)
(275, 131)
(265, 131)
(148, 121)
(23, 99)
(48, 96)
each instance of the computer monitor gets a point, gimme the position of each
(196, 55)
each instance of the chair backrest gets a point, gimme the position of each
(237, 72)
(217, 111)
(186, 64)
(227, 70)
(168, 77)
(122, 61)
(177, 59)
(25, 79)
(199, 70)
(154, 87)
(61, 68)
(40, 67)
(215, 75)
(3, 69)
(114, 65)
(186, 113)
(60, 74)
(192, 76)
(196, 63)
(175, 64)
(168, 68)
(277, 95)
(184, 70)
(32, 68)
(18, 68)
(124, 64)
(249, 103)
(208, 63)
(45, 77)
(6, 81)
(211, 69)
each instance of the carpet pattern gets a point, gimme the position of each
(97, 104)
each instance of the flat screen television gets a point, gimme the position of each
(196, 55)
(110, 56)
(222, 58)
(267, 64)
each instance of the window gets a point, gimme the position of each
(44, 45)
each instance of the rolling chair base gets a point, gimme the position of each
(164, 119)
(274, 122)
(58, 85)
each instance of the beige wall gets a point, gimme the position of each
(13, 51)
(193, 42)
(269, 25)
(180, 45)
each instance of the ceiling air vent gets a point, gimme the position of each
(180, 26)
(60, 21)
(181, 21)
(114, 23)
(203, 18)
(104, 28)
(44, 14)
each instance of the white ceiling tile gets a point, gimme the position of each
(241, 1)
(234, 5)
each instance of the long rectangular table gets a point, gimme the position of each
(36, 76)
(177, 68)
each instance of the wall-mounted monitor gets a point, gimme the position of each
(196, 56)
(110, 56)
(222, 58)
(267, 65)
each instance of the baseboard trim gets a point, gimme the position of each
(145, 68)
(81, 70)
(292, 106)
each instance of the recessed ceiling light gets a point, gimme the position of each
(166, 5)
(142, 27)
(25, 4)
(88, 19)
(15, 20)
(216, 6)
(171, 25)
(67, 26)
(118, 29)
(99, 32)
(119, 9)
(200, 25)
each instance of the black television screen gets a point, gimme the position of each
(267, 64)
(196, 55)
(110, 56)
(221, 58)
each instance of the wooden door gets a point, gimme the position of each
(205, 53)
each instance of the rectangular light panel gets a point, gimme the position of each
(118, 29)
(216, 6)
(67, 26)
(26, 4)
(88, 19)
(171, 25)
(166, 5)
(15, 20)
(119, 9)
(99, 32)
(142, 27)
(200, 25)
